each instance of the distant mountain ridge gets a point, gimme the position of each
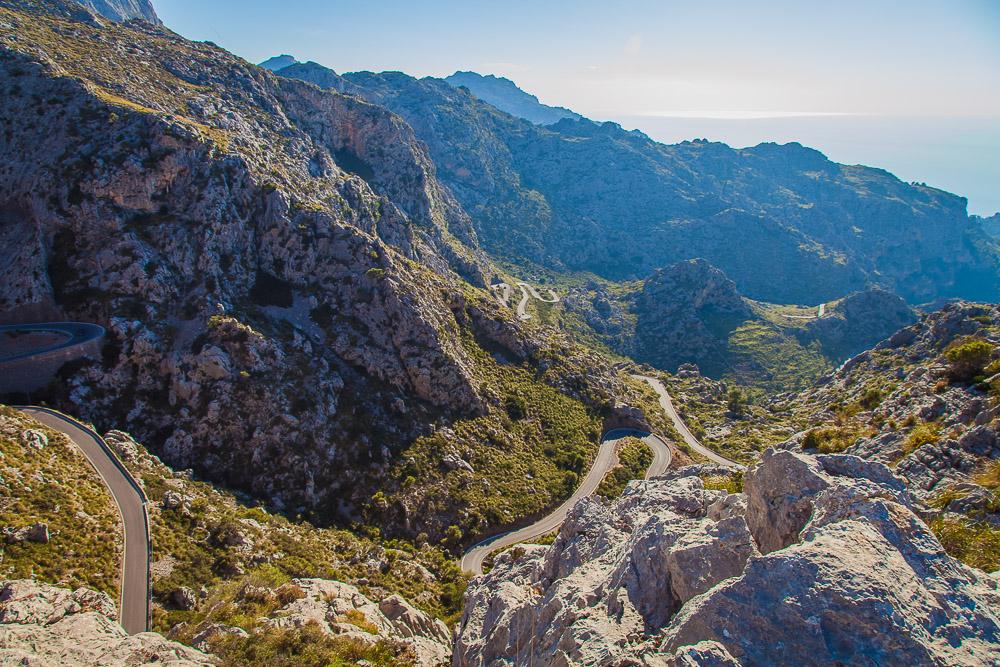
(506, 96)
(279, 62)
(784, 222)
(991, 225)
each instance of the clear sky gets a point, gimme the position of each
(725, 64)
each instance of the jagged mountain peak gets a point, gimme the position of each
(277, 63)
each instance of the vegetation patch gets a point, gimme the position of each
(731, 483)
(525, 457)
(634, 458)
(974, 543)
(47, 480)
(307, 646)
(922, 434)
(967, 358)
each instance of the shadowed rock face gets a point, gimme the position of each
(685, 314)
(821, 560)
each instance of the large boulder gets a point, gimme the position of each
(43, 625)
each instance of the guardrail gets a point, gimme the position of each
(138, 489)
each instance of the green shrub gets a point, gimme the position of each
(307, 646)
(968, 358)
(974, 543)
(921, 435)
(634, 458)
(831, 440)
(871, 398)
(731, 483)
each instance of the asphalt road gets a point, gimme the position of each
(606, 459)
(554, 298)
(668, 407)
(522, 305)
(504, 295)
(134, 603)
(78, 333)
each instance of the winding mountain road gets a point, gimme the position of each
(76, 334)
(503, 294)
(135, 587)
(606, 459)
(472, 560)
(668, 407)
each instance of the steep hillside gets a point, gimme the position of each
(786, 224)
(275, 265)
(228, 577)
(506, 96)
(55, 504)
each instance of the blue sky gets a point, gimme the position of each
(742, 70)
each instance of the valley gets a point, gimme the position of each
(358, 368)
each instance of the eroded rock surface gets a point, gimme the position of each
(42, 626)
(827, 564)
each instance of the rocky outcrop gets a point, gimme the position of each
(44, 625)
(123, 10)
(827, 563)
(859, 322)
(685, 314)
(903, 386)
(341, 609)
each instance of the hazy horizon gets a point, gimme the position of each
(910, 87)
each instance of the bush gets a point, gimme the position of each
(830, 440)
(871, 398)
(921, 435)
(975, 544)
(731, 483)
(968, 358)
(307, 646)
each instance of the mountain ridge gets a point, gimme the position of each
(784, 222)
(505, 95)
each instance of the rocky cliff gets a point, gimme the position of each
(685, 314)
(820, 560)
(784, 222)
(991, 225)
(278, 267)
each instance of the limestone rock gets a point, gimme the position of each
(342, 609)
(44, 625)
(34, 439)
(846, 573)
(36, 532)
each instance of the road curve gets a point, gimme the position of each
(505, 293)
(135, 588)
(668, 407)
(78, 333)
(523, 303)
(504, 298)
(552, 299)
(472, 561)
